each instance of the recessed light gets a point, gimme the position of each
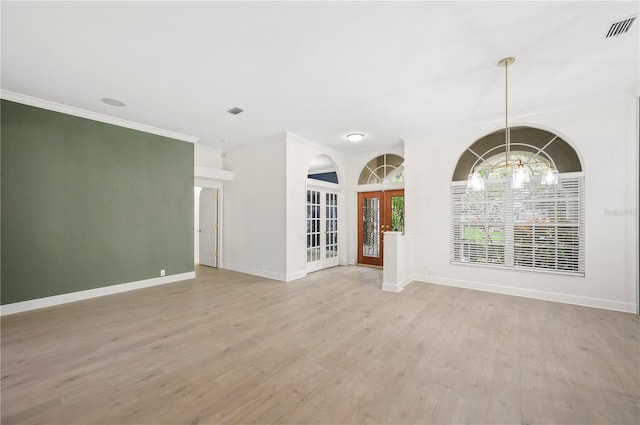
(112, 102)
(355, 137)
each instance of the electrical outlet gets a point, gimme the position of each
(162, 272)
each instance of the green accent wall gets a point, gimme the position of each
(87, 204)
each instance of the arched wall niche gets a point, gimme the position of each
(544, 145)
(323, 168)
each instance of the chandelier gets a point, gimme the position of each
(520, 173)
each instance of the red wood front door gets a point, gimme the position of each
(376, 215)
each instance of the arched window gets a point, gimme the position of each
(536, 148)
(538, 227)
(387, 168)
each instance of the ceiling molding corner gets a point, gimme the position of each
(95, 116)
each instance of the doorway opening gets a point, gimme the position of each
(323, 204)
(378, 212)
(380, 205)
(207, 227)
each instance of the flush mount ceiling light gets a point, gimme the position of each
(112, 102)
(520, 173)
(355, 137)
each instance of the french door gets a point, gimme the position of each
(322, 229)
(378, 212)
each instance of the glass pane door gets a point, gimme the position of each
(378, 212)
(313, 225)
(370, 228)
(322, 229)
(331, 225)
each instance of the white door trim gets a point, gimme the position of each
(208, 227)
(211, 184)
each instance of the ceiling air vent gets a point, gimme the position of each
(620, 27)
(235, 110)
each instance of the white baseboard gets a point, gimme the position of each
(391, 287)
(22, 306)
(256, 272)
(396, 287)
(296, 275)
(266, 274)
(531, 293)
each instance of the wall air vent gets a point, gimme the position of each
(620, 27)
(235, 110)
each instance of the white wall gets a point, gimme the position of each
(207, 156)
(255, 226)
(605, 137)
(265, 206)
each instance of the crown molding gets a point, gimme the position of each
(95, 116)
(316, 145)
(280, 137)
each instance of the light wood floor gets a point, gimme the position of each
(331, 348)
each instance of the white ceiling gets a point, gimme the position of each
(390, 70)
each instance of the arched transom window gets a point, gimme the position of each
(387, 168)
(533, 147)
(536, 227)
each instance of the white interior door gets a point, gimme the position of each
(209, 227)
(322, 229)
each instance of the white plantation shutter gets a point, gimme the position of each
(478, 224)
(538, 227)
